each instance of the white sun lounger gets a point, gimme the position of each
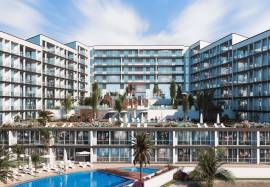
(88, 164)
(82, 165)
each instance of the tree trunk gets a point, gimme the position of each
(141, 172)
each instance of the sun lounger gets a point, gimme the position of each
(88, 164)
(71, 165)
(82, 165)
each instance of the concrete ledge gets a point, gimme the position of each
(161, 179)
(243, 172)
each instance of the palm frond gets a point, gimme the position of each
(225, 175)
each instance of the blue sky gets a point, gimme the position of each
(96, 22)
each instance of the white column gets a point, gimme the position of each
(216, 139)
(174, 139)
(92, 156)
(237, 157)
(258, 146)
(156, 152)
(132, 151)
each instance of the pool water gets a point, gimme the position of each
(137, 169)
(89, 179)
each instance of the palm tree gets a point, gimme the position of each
(44, 117)
(142, 146)
(156, 90)
(67, 104)
(35, 159)
(209, 169)
(190, 100)
(185, 106)
(119, 105)
(204, 102)
(5, 165)
(46, 137)
(179, 95)
(18, 150)
(95, 97)
(173, 92)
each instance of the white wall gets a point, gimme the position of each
(171, 113)
(161, 179)
(244, 172)
(59, 114)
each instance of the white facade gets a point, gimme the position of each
(116, 67)
(35, 74)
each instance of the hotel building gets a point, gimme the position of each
(116, 67)
(236, 69)
(37, 73)
(171, 145)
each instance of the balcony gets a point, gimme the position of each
(71, 67)
(224, 48)
(51, 73)
(30, 107)
(49, 61)
(30, 55)
(30, 68)
(29, 94)
(49, 49)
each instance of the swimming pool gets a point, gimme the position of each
(89, 178)
(137, 169)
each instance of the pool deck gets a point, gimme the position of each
(112, 167)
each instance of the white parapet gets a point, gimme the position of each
(161, 179)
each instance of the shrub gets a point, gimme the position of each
(180, 175)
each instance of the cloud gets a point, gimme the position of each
(108, 22)
(114, 22)
(199, 20)
(95, 22)
(252, 17)
(20, 17)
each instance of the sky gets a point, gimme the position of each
(98, 22)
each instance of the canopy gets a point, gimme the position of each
(201, 118)
(218, 119)
(83, 153)
(65, 159)
(30, 165)
(46, 156)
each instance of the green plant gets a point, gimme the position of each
(142, 146)
(36, 160)
(185, 106)
(44, 117)
(46, 136)
(173, 93)
(118, 106)
(5, 165)
(179, 95)
(67, 104)
(156, 90)
(17, 118)
(190, 100)
(209, 169)
(95, 98)
(18, 150)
